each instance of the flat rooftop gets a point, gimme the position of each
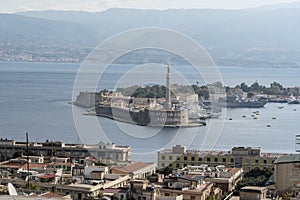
(293, 158)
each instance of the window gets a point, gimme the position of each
(224, 159)
(265, 161)
(231, 160)
(193, 158)
(170, 158)
(167, 194)
(79, 195)
(208, 159)
(177, 165)
(185, 158)
(163, 157)
(256, 161)
(193, 197)
(216, 159)
(200, 159)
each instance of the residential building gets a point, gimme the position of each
(135, 170)
(141, 190)
(253, 193)
(168, 156)
(95, 174)
(239, 157)
(179, 197)
(200, 193)
(287, 173)
(227, 179)
(105, 152)
(115, 193)
(109, 152)
(222, 177)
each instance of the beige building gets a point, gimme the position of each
(239, 157)
(109, 152)
(166, 157)
(104, 152)
(136, 170)
(200, 193)
(287, 173)
(253, 193)
(141, 190)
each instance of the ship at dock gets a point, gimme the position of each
(236, 103)
(242, 103)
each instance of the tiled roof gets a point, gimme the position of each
(61, 164)
(47, 176)
(11, 165)
(192, 177)
(92, 159)
(234, 170)
(34, 166)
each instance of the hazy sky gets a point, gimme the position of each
(10, 6)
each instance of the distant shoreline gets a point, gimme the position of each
(179, 65)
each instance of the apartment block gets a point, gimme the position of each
(238, 157)
(287, 173)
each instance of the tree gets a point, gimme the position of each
(166, 171)
(276, 85)
(255, 177)
(255, 86)
(244, 87)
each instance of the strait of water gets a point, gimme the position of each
(34, 98)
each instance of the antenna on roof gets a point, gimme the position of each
(12, 190)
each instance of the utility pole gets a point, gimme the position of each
(27, 151)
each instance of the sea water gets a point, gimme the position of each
(35, 98)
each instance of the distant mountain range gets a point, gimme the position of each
(265, 36)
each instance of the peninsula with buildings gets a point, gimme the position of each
(162, 112)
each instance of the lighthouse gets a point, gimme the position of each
(168, 92)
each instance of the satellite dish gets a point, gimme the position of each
(12, 190)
